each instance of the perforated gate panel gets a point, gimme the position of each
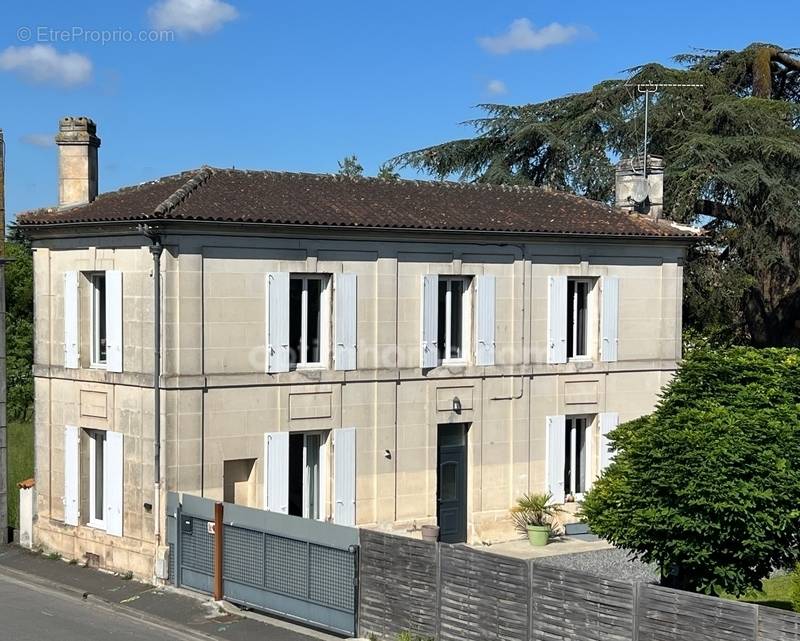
(332, 577)
(286, 563)
(197, 547)
(302, 569)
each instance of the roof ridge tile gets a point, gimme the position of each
(184, 191)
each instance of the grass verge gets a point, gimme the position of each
(775, 593)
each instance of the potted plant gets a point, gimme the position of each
(534, 515)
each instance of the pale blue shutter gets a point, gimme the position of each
(557, 319)
(344, 470)
(276, 472)
(345, 312)
(429, 348)
(610, 320)
(71, 321)
(556, 432)
(113, 466)
(72, 475)
(485, 320)
(278, 322)
(114, 321)
(608, 422)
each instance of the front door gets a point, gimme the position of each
(451, 492)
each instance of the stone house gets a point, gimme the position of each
(384, 354)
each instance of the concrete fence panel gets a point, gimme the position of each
(398, 586)
(666, 614)
(567, 606)
(484, 597)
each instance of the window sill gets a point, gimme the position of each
(98, 366)
(299, 367)
(97, 525)
(453, 362)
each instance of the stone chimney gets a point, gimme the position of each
(77, 161)
(631, 194)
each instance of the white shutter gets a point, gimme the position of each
(557, 319)
(485, 320)
(113, 466)
(344, 356)
(429, 348)
(556, 436)
(344, 469)
(71, 321)
(608, 422)
(114, 321)
(278, 322)
(610, 320)
(72, 475)
(276, 474)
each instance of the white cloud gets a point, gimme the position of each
(522, 35)
(496, 87)
(38, 140)
(189, 17)
(42, 64)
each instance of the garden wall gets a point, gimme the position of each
(456, 593)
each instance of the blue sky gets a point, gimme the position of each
(298, 85)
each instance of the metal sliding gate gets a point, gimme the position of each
(297, 568)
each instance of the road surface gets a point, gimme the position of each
(30, 612)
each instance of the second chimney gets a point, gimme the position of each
(77, 161)
(633, 193)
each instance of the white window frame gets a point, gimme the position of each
(96, 305)
(591, 318)
(321, 474)
(466, 316)
(324, 320)
(93, 521)
(571, 458)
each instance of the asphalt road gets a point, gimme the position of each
(30, 612)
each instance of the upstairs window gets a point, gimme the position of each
(99, 337)
(306, 304)
(452, 317)
(578, 338)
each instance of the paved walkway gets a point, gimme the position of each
(177, 614)
(522, 549)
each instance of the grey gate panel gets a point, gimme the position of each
(298, 568)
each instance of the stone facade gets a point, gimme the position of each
(218, 401)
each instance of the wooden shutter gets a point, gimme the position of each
(556, 435)
(608, 422)
(278, 322)
(344, 469)
(345, 312)
(485, 320)
(72, 475)
(71, 321)
(557, 319)
(610, 320)
(113, 467)
(429, 347)
(276, 474)
(114, 321)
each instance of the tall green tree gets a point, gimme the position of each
(708, 486)
(350, 167)
(19, 325)
(732, 153)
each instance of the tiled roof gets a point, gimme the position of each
(233, 195)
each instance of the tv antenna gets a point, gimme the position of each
(649, 88)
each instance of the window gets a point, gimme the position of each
(305, 488)
(97, 473)
(576, 463)
(306, 322)
(578, 325)
(99, 342)
(452, 315)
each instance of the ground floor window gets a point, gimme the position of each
(576, 463)
(97, 466)
(305, 478)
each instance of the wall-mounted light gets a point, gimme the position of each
(387, 455)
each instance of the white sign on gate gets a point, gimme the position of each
(210, 527)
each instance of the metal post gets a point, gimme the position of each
(218, 512)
